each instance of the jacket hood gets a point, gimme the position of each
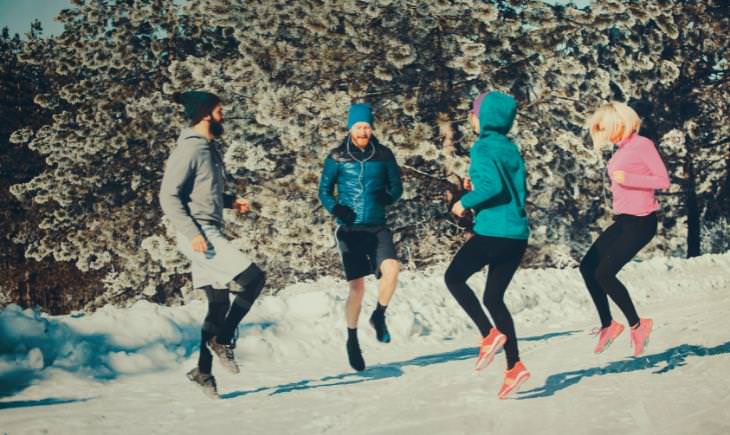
(497, 113)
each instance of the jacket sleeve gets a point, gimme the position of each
(327, 184)
(485, 180)
(657, 178)
(395, 183)
(179, 172)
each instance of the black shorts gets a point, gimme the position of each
(363, 249)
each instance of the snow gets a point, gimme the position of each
(121, 370)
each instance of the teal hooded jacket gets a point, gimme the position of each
(497, 172)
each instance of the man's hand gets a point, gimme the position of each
(467, 184)
(242, 205)
(199, 243)
(618, 176)
(345, 213)
(458, 209)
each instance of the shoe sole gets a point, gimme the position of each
(609, 342)
(231, 369)
(208, 393)
(605, 346)
(516, 386)
(489, 356)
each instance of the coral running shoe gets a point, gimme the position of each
(491, 344)
(513, 379)
(640, 335)
(607, 335)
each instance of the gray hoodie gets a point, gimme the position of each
(192, 187)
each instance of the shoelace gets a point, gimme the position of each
(600, 331)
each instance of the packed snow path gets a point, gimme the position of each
(126, 374)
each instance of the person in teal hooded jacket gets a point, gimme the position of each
(497, 192)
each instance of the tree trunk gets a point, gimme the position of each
(693, 212)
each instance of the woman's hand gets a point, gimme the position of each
(467, 184)
(458, 209)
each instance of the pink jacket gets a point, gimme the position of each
(644, 173)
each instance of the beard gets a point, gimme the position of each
(216, 128)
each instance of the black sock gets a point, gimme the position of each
(351, 334)
(380, 309)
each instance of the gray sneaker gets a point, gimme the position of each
(205, 382)
(225, 355)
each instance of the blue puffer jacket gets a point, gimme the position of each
(361, 178)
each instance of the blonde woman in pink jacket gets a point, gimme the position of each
(636, 170)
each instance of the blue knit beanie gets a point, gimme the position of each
(360, 112)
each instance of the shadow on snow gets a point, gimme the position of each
(669, 359)
(381, 371)
(43, 402)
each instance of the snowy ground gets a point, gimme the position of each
(122, 370)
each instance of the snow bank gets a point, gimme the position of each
(101, 345)
(307, 319)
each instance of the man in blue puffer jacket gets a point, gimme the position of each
(367, 179)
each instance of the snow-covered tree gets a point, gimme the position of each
(287, 72)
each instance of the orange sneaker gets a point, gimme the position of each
(513, 379)
(640, 335)
(607, 335)
(491, 344)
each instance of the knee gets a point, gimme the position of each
(252, 290)
(491, 301)
(390, 268)
(249, 276)
(256, 285)
(357, 287)
(604, 274)
(586, 268)
(452, 277)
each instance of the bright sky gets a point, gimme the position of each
(17, 15)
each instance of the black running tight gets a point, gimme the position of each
(223, 317)
(503, 257)
(615, 247)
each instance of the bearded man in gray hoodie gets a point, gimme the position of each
(192, 198)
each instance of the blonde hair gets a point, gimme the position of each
(613, 122)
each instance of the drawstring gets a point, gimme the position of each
(362, 168)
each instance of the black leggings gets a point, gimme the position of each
(503, 257)
(615, 247)
(223, 317)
